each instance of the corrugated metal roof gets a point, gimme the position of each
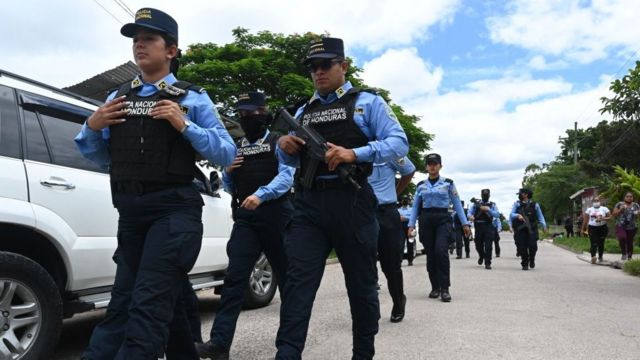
(98, 86)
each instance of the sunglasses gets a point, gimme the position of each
(324, 65)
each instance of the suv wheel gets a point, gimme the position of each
(262, 285)
(30, 309)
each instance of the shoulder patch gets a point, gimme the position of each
(358, 110)
(448, 180)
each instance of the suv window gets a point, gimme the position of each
(61, 129)
(9, 133)
(36, 146)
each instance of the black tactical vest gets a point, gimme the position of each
(259, 167)
(527, 210)
(149, 150)
(334, 122)
(481, 215)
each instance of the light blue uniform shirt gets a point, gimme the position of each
(206, 133)
(514, 214)
(383, 177)
(493, 211)
(439, 195)
(405, 211)
(387, 140)
(280, 184)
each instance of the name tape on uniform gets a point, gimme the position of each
(142, 107)
(325, 116)
(254, 150)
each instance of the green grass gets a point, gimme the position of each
(580, 244)
(632, 267)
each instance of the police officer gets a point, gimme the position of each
(497, 225)
(459, 236)
(482, 214)
(147, 135)
(260, 188)
(390, 236)
(405, 214)
(360, 129)
(525, 217)
(431, 205)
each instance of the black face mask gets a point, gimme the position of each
(485, 198)
(521, 197)
(255, 125)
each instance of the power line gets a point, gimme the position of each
(124, 7)
(108, 12)
(584, 109)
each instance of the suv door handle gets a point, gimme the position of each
(57, 183)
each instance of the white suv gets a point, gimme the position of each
(58, 225)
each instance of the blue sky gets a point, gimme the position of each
(496, 81)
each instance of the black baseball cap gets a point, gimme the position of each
(525, 191)
(251, 101)
(325, 48)
(433, 157)
(152, 19)
(485, 191)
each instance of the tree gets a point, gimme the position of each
(552, 184)
(272, 63)
(623, 182)
(626, 102)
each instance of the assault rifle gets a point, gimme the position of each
(316, 147)
(525, 220)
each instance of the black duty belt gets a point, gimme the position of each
(388, 206)
(141, 188)
(435, 210)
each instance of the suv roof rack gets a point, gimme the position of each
(50, 87)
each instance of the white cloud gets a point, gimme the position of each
(539, 62)
(43, 30)
(572, 29)
(488, 131)
(403, 71)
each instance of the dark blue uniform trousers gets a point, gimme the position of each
(435, 234)
(254, 232)
(485, 236)
(391, 249)
(527, 245)
(107, 336)
(159, 238)
(343, 219)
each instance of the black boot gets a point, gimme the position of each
(212, 351)
(445, 296)
(434, 294)
(397, 313)
(480, 260)
(487, 266)
(532, 263)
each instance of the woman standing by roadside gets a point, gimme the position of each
(626, 228)
(596, 218)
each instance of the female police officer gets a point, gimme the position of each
(148, 134)
(431, 203)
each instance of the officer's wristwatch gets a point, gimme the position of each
(187, 123)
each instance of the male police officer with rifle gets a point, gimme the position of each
(482, 214)
(526, 215)
(335, 207)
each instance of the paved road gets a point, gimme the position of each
(564, 309)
